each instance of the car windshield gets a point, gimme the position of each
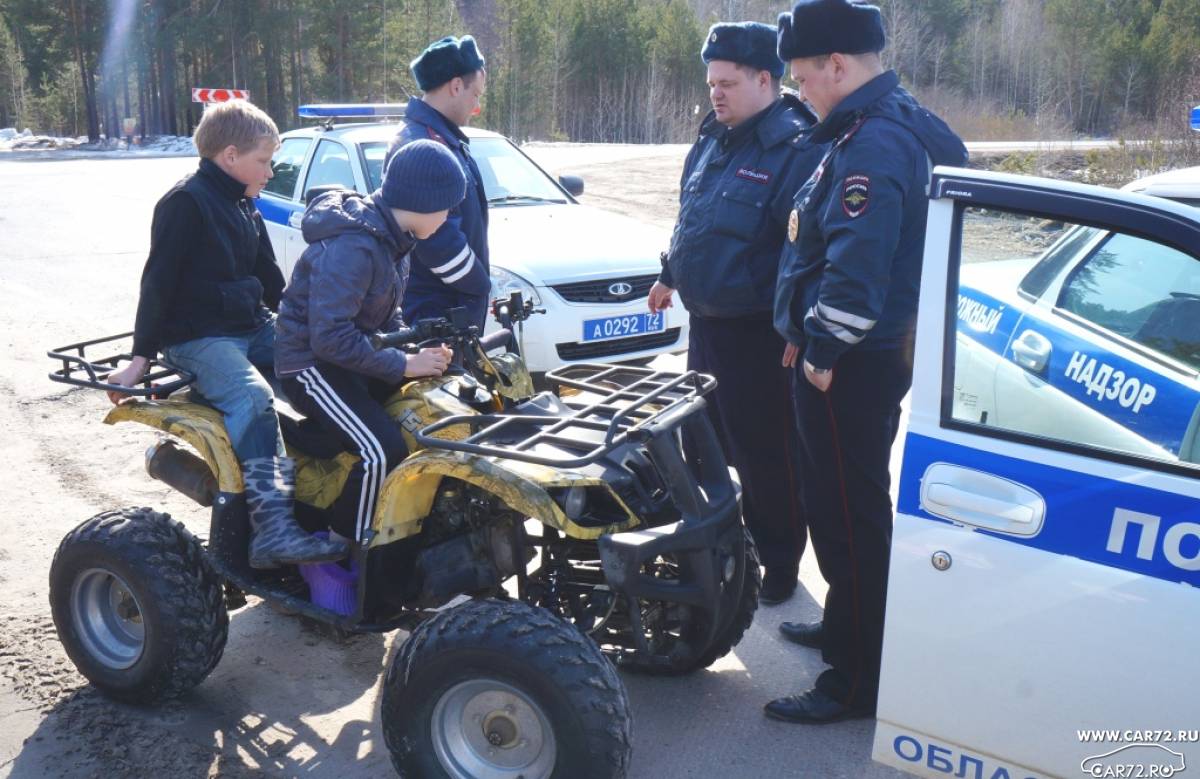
(509, 178)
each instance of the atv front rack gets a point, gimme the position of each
(623, 403)
(81, 371)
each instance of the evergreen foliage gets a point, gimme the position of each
(582, 70)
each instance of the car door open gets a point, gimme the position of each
(1042, 562)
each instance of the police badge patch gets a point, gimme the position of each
(793, 225)
(855, 192)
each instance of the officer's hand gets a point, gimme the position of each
(790, 353)
(819, 380)
(660, 297)
(430, 361)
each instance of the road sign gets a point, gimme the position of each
(206, 95)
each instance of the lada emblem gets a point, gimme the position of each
(620, 289)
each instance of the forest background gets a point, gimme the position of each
(616, 71)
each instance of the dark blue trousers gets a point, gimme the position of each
(847, 436)
(751, 409)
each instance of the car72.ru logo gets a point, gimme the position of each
(1135, 761)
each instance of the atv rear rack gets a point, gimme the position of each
(625, 403)
(78, 370)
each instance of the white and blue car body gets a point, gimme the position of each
(1044, 584)
(590, 270)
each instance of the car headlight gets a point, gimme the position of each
(504, 283)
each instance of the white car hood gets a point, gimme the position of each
(553, 244)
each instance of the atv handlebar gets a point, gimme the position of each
(501, 337)
(440, 330)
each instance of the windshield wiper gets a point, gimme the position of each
(525, 198)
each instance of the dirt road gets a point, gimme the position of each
(283, 701)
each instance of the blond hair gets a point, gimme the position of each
(233, 123)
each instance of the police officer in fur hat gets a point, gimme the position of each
(450, 269)
(847, 305)
(736, 191)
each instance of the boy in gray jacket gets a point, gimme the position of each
(346, 286)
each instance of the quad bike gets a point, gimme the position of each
(529, 542)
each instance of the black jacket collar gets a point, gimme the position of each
(776, 123)
(854, 105)
(224, 183)
(422, 113)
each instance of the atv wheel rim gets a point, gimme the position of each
(486, 729)
(107, 618)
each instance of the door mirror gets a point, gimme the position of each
(573, 184)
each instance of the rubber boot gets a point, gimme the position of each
(275, 538)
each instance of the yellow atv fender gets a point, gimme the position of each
(409, 491)
(203, 428)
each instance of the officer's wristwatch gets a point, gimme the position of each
(819, 371)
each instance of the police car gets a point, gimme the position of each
(590, 270)
(1043, 584)
(1079, 339)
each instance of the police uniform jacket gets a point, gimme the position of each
(851, 269)
(735, 195)
(450, 268)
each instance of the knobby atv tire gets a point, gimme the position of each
(688, 659)
(180, 597)
(547, 659)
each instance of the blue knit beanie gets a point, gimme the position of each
(445, 59)
(746, 43)
(423, 177)
(818, 27)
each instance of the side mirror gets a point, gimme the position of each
(573, 184)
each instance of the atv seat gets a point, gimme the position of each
(298, 431)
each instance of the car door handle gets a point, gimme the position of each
(1031, 351)
(294, 219)
(982, 500)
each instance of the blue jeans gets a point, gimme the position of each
(226, 376)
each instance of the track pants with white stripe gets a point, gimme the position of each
(349, 406)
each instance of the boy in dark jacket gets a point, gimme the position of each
(207, 292)
(348, 285)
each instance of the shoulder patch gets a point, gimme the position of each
(856, 193)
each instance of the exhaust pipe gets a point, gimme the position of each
(182, 470)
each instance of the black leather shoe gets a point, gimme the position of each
(778, 584)
(813, 707)
(808, 634)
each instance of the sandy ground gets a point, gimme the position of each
(284, 701)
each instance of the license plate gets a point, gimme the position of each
(623, 326)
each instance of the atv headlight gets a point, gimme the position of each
(575, 503)
(573, 500)
(504, 283)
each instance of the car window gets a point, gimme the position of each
(1144, 291)
(373, 154)
(508, 175)
(330, 166)
(286, 166)
(1056, 258)
(1114, 368)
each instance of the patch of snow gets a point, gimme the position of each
(158, 146)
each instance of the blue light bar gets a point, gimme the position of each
(346, 110)
(1196, 118)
